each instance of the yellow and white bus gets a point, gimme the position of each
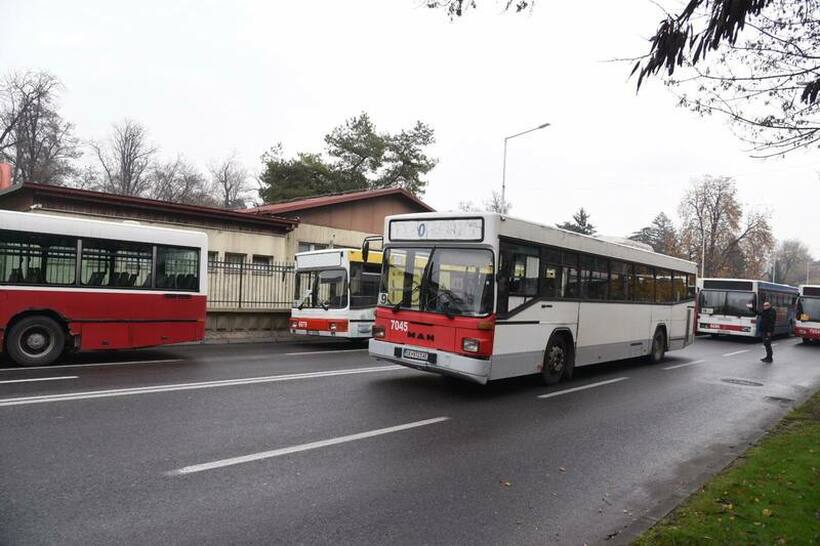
(336, 293)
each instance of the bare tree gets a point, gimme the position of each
(180, 182)
(790, 261)
(715, 229)
(33, 136)
(231, 181)
(125, 159)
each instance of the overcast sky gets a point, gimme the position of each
(207, 78)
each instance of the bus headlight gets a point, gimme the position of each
(470, 345)
(378, 331)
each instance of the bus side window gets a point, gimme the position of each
(520, 267)
(644, 284)
(570, 275)
(553, 273)
(618, 281)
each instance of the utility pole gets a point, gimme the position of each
(504, 165)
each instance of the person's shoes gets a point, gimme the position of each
(766, 360)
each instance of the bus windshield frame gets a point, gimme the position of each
(445, 280)
(728, 302)
(809, 306)
(321, 289)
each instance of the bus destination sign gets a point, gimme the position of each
(453, 229)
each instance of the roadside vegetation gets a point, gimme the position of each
(771, 495)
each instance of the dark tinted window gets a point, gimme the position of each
(679, 289)
(663, 286)
(116, 264)
(177, 268)
(570, 275)
(644, 287)
(712, 302)
(594, 278)
(740, 304)
(27, 258)
(553, 273)
(523, 272)
(364, 284)
(618, 281)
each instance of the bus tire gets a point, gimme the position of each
(35, 340)
(558, 361)
(658, 349)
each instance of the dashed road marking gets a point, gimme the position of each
(581, 388)
(188, 386)
(39, 379)
(56, 367)
(303, 447)
(676, 366)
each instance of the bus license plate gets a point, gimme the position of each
(415, 354)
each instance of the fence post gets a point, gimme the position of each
(241, 278)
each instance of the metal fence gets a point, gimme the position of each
(233, 285)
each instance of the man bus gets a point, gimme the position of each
(732, 306)
(75, 284)
(807, 323)
(484, 297)
(336, 293)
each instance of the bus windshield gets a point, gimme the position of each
(326, 289)
(722, 302)
(809, 307)
(451, 281)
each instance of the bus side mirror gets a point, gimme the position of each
(365, 250)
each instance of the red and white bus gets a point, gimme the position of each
(336, 293)
(76, 284)
(484, 297)
(731, 306)
(807, 321)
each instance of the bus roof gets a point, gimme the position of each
(756, 284)
(494, 225)
(100, 229)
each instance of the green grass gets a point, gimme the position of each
(771, 495)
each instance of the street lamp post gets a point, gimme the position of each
(504, 167)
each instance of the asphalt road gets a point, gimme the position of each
(314, 443)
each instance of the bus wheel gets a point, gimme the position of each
(557, 361)
(658, 347)
(35, 341)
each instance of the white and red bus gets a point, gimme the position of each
(731, 306)
(76, 284)
(807, 321)
(336, 293)
(484, 297)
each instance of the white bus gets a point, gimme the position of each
(484, 297)
(731, 306)
(807, 321)
(336, 293)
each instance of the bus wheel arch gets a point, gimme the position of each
(559, 357)
(660, 344)
(36, 337)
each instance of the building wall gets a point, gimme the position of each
(366, 216)
(323, 235)
(220, 240)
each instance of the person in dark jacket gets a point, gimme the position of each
(766, 325)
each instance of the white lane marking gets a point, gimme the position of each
(56, 367)
(684, 364)
(737, 352)
(40, 379)
(303, 447)
(582, 388)
(188, 386)
(325, 352)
